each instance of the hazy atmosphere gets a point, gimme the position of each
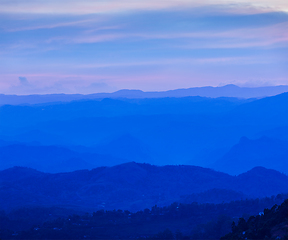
(143, 119)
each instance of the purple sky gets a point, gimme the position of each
(69, 46)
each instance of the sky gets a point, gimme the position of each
(90, 46)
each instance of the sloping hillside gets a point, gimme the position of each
(130, 186)
(266, 152)
(270, 224)
(52, 159)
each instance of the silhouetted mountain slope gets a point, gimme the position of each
(25, 115)
(177, 221)
(52, 158)
(270, 224)
(129, 186)
(214, 92)
(264, 181)
(225, 91)
(270, 111)
(266, 152)
(18, 173)
(230, 91)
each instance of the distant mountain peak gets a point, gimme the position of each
(262, 171)
(244, 139)
(248, 153)
(229, 90)
(230, 86)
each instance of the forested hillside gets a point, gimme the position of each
(269, 224)
(134, 186)
(176, 221)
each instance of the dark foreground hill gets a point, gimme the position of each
(176, 221)
(270, 224)
(132, 186)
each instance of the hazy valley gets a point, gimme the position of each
(140, 152)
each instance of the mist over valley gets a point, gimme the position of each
(140, 161)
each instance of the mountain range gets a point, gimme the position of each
(78, 153)
(212, 92)
(193, 130)
(133, 186)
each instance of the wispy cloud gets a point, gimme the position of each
(68, 45)
(238, 38)
(51, 26)
(108, 6)
(179, 61)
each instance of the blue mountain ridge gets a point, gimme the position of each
(131, 186)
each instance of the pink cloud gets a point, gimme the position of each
(51, 26)
(177, 61)
(112, 6)
(246, 37)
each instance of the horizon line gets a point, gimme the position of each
(139, 90)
